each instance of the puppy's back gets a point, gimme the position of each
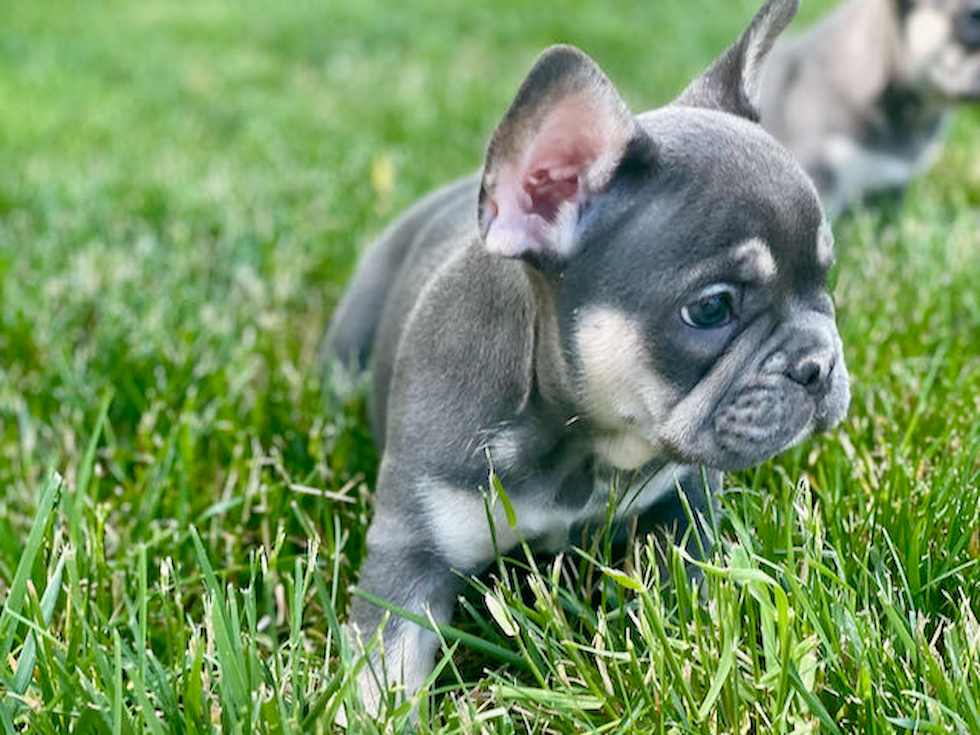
(367, 323)
(351, 333)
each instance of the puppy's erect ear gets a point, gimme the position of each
(558, 145)
(733, 82)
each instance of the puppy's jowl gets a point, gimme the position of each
(864, 97)
(612, 292)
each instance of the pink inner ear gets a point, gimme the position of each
(568, 157)
(570, 139)
(548, 189)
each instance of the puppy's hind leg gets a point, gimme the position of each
(404, 570)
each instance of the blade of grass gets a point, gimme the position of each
(18, 588)
(75, 502)
(447, 631)
(27, 658)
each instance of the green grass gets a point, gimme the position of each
(183, 189)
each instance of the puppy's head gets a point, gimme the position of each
(940, 46)
(687, 254)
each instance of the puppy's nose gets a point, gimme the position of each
(812, 369)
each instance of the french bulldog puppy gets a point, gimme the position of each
(612, 292)
(863, 98)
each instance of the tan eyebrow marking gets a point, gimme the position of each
(756, 260)
(825, 245)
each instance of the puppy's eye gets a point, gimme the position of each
(710, 311)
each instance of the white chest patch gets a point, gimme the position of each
(625, 398)
(625, 449)
(460, 527)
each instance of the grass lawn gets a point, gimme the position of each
(183, 191)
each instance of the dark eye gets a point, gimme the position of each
(710, 311)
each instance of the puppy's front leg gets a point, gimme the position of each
(668, 521)
(402, 567)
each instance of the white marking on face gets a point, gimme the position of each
(927, 30)
(624, 396)
(756, 260)
(825, 245)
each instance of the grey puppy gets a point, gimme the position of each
(863, 98)
(612, 292)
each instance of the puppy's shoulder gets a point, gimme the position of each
(476, 310)
(464, 360)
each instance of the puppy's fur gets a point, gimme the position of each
(612, 292)
(863, 98)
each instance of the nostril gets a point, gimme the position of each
(812, 371)
(808, 373)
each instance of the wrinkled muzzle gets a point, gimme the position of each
(801, 386)
(793, 385)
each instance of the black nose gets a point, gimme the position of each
(812, 370)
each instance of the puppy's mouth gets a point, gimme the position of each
(761, 421)
(754, 421)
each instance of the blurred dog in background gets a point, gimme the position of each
(863, 98)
